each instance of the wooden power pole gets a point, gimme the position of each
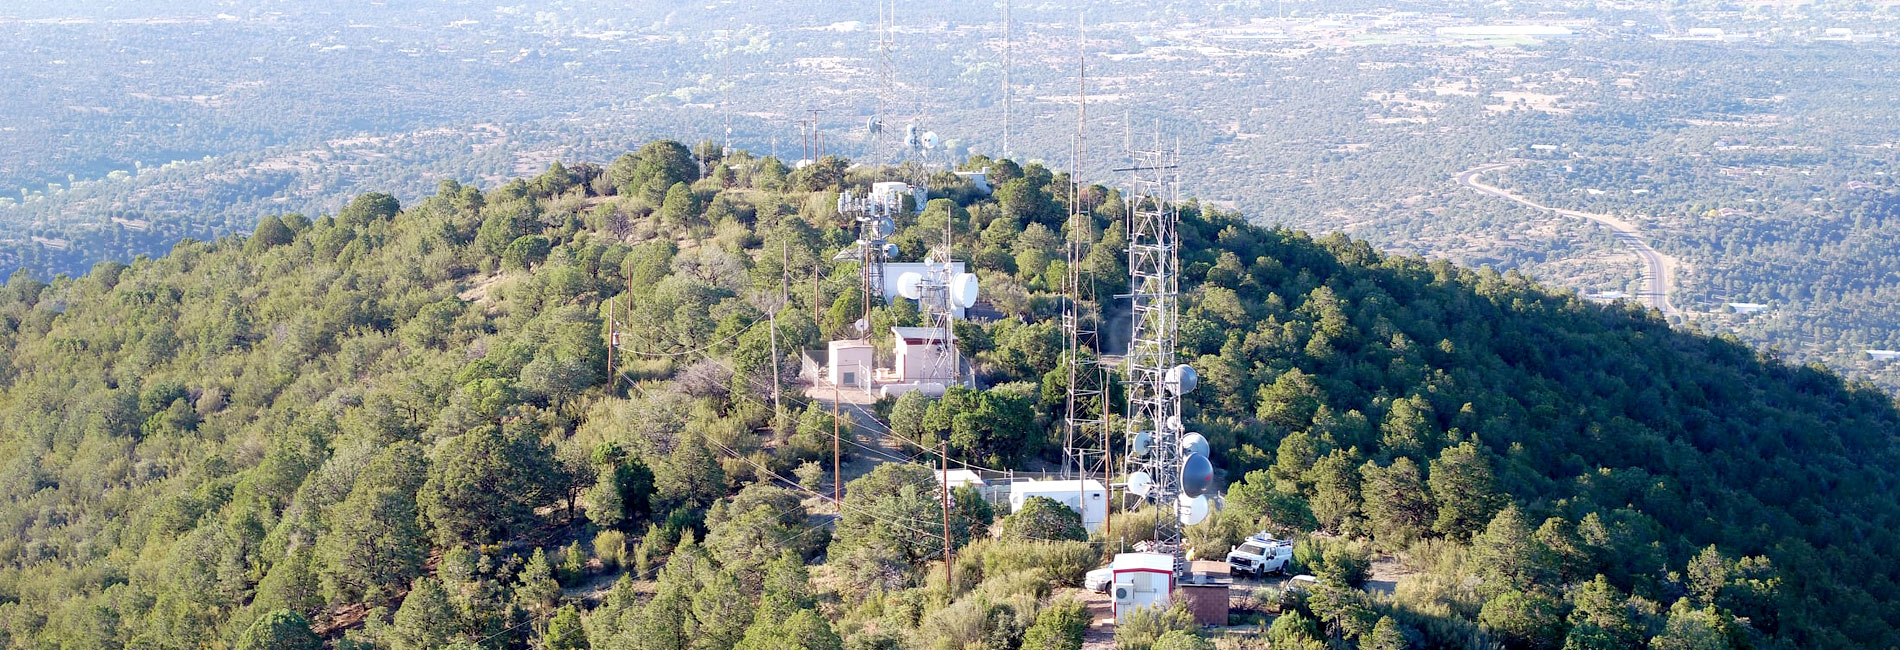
(944, 449)
(837, 477)
(613, 341)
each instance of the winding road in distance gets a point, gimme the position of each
(1659, 270)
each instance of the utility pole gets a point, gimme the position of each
(944, 449)
(613, 341)
(837, 478)
(778, 409)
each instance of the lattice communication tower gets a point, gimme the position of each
(1153, 427)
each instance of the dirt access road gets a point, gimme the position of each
(1659, 270)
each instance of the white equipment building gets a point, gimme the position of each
(916, 350)
(1142, 580)
(852, 363)
(1089, 498)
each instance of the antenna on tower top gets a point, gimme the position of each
(725, 90)
(1006, 86)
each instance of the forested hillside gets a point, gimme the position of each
(395, 427)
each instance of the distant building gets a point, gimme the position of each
(1883, 355)
(1505, 31)
(961, 478)
(1696, 34)
(979, 180)
(1748, 307)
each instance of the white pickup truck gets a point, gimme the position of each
(1261, 554)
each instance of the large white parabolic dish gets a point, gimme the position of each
(1193, 510)
(964, 290)
(910, 285)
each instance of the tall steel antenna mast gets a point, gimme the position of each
(886, 78)
(725, 89)
(1154, 426)
(1006, 86)
(1085, 443)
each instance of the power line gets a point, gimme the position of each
(698, 350)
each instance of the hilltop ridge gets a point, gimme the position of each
(405, 413)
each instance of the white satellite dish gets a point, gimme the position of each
(930, 140)
(885, 226)
(1182, 380)
(964, 289)
(1139, 483)
(1193, 510)
(862, 326)
(1194, 443)
(890, 250)
(1174, 423)
(1143, 440)
(910, 285)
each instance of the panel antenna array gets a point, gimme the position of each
(876, 216)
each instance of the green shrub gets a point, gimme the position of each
(1060, 626)
(1065, 562)
(1141, 627)
(1044, 519)
(1179, 640)
(611, 547)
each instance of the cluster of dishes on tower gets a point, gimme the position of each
(1196, 470)
(961, 287)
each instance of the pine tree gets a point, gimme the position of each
(565, 631)
(270, 232)
(1385, 635)
(292, 584)
(1465, 491)
(1708, 574)
(538, 593)
(279, 630)
(1525, 619)
(1336, 491)
(1690, 628)
(426, 620)
(375, 544)
(1508, 555)
(1601, 619)
(485, 484)
(721, 612)
(1044, 519)
(1396, 505)
(680, 209)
